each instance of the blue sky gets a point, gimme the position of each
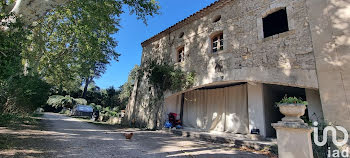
(134, 31)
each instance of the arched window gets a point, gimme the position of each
(217, 18)
(217, 42)
(181, 54)
(181, 34)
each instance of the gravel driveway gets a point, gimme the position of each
(68, 137)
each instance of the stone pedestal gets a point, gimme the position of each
(293, 139)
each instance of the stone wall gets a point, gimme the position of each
(284, 59)
(330, 27)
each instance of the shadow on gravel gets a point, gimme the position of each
(60, 136)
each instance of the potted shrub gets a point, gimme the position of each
(292, 108)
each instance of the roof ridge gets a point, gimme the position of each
(185, 21)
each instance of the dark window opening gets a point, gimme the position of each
(181, 54)
(218, 42)
(275, 23)
(181, 34)
(217, 18)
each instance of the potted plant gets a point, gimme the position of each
(292, 108)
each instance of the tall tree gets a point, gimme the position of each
(33, 10)
(74, 42)
(66, 46)
(127, 87)
(97, 71)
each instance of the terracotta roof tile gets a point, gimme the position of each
(187, 20)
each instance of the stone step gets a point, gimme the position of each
(237, 140)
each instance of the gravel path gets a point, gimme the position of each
(68, 137)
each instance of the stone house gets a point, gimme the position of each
(247, 55)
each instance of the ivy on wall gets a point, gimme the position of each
(163, 77)
(167, 77)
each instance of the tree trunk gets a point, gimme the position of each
(87, 82)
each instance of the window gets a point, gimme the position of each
(181, 54)
(217, 18)
(181, 34)
(218, 42)
(275, 23)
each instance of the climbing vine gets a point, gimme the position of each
(163, 77)
(167, 77)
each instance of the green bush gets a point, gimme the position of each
(96, 107)
(110, 112)
(291, 100)
(65, 101)
(80, 101)
(23, 94)
(11, 46)
(21, 91)
(55, 101)
(65, 111)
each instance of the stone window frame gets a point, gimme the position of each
(156, 46)
(210, 41)
(273, 8)
(216, 18)
(178, 58)
(181, 35)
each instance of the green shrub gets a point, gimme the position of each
(65, 111)
(110, 112)
(11, 46)
(65, 101)
(291, 100)
(81, 101)
(55, 101)
(23, 94)
(20, 92)
(96, 107)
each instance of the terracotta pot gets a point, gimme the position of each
(292, 112)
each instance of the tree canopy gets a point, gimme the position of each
(73, 42)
